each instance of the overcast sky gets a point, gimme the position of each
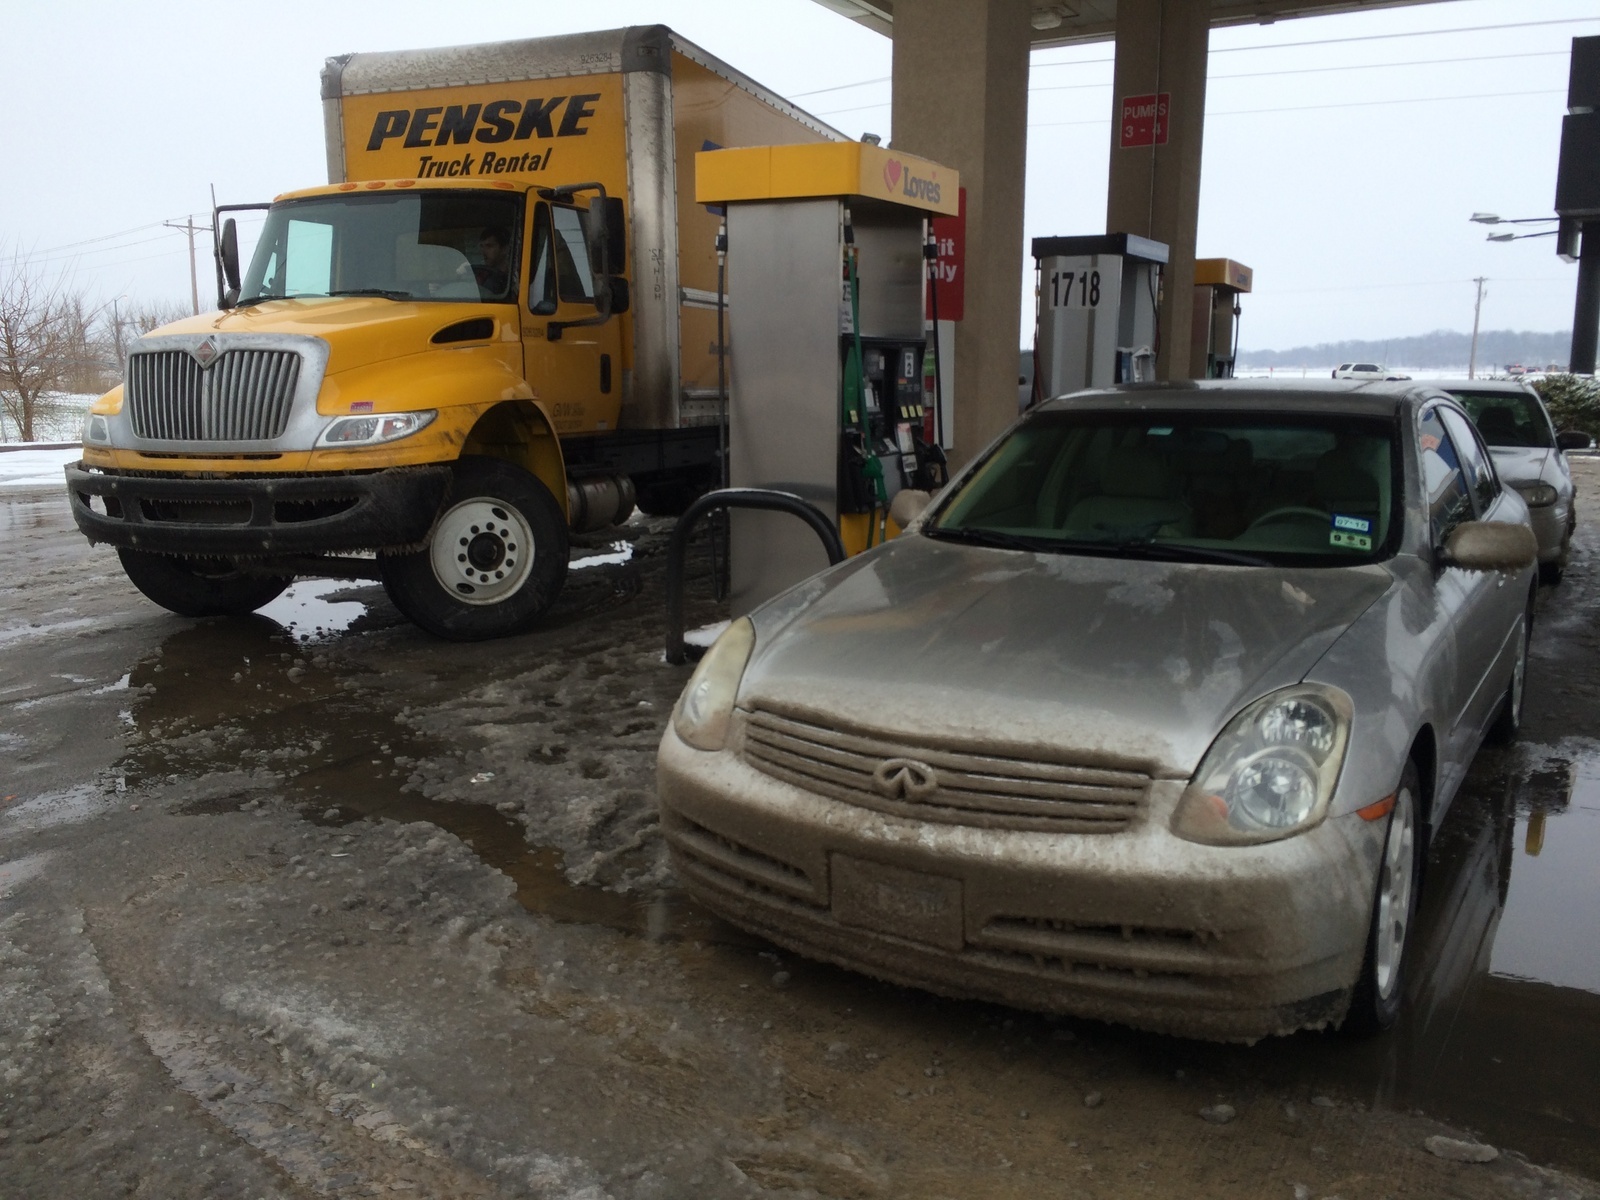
(1342, 168)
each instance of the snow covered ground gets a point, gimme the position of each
(34, 466)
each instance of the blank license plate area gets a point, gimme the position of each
(908, 904)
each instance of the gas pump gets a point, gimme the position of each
(1098, 305)
(828, 258)
(1218, 284)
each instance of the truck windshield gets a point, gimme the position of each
(460, 246)
(1234, 487)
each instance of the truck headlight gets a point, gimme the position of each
(380, 427)
(1537, 495)
(1270, 774)
(706, 705)
(96, 430)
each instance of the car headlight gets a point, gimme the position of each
(706, 705)
(1537, 495)
(1270, 774)
(380, 427)
(96, 430)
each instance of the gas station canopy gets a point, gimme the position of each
(1075, 21)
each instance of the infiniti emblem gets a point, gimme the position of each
(905, 779)
(206, 353)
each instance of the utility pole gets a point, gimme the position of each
(190, 228)
(1477, 307)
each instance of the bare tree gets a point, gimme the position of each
(43, 339)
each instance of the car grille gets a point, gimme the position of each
(245, 395)
(972, 789)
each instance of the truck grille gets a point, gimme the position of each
(971, 789)
(245, 395)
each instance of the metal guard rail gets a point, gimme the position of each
(759, 498)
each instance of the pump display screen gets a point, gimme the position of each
(404, 246)
(1233, 487)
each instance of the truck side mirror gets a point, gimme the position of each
(619, 294)
(228, 251)
(616, 227)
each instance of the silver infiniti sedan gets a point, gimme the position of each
(1529, 456)
(1146, 717)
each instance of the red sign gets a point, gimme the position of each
(950, 283)
(1144, 120)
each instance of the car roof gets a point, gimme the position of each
(1506, 387)
(1371, 398)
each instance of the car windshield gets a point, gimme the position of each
(1508, 419)
(443, 245)
(1235, 487)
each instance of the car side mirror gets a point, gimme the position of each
(1573, 439)
(1490, 546)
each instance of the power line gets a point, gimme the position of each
(1418, 62)
(105, 237)
(1244, 112)
(1367, 37)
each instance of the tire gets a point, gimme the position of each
(494, 561)
(669, 493)
(200, 587)
(1376, 1003)
(1508, 721)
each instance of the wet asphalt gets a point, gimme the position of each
(104, 693)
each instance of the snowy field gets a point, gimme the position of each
(31, 466)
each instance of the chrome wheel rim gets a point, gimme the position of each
(482, 551)
(1394, 893)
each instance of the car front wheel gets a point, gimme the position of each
(1376, 1003)
(200, 587)
(494, 562)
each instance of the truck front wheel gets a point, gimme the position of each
(200, 587)
(495, 561)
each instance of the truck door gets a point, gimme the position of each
(578, 375)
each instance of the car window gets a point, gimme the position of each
(1480, 471)
(1449, 499)
(1242, 487)
(1367, 367)
(1508, 419)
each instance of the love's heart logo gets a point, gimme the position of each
(891, 173)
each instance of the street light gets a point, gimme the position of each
(1482, 218)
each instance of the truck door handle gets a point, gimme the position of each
(605, 374)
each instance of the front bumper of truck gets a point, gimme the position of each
(258, 515)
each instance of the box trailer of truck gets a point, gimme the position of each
(496, 322)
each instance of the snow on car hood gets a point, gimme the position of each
(1117, 661)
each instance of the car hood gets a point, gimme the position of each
(1115, 661)
(1520, 464)
(359, 330)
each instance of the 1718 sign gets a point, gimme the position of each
(1144, 120)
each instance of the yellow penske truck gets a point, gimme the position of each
(496, 323)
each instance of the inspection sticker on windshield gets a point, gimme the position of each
(1354, 533)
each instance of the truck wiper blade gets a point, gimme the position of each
(993, 537)
(251, 300)
(387, 293)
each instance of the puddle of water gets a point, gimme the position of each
(542, 884)
(224, 700)
(1550, 930)
(1501, 1028)
(307, 615)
